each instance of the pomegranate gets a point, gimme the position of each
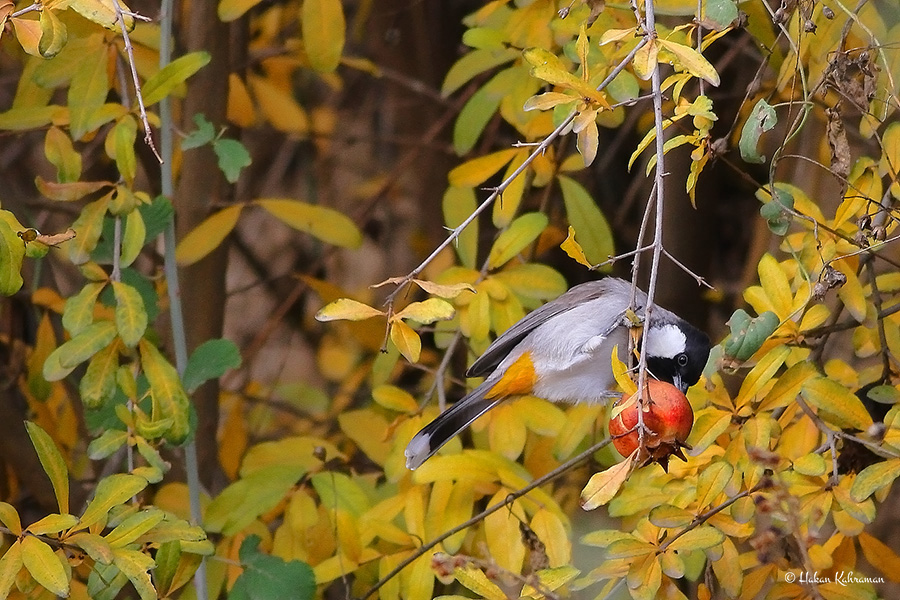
(668, 418)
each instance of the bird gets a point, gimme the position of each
(562, 352)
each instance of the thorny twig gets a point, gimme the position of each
(129, 50)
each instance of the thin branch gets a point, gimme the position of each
(498, 191)
(129, 50)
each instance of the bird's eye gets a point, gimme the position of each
(682, 360)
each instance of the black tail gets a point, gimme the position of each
(448, 424)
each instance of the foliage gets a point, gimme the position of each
(795, 440)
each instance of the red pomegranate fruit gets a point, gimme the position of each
(668, 418)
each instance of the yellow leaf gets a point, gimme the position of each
(475, 580)
(169, 398)
(788, 386)
(701, 538)
(406, 340)
(89, 226)
(776, 286)
(428, 311)
(761, 374)
(507, 205)
(133, 238)
(552, 532)
(346, 309)
(501, 530)
(279, 107)
(240, 104)
(836, 404)
(478, 170)
(10, 565)
(52, 462)
(548, 100)
(103, 12)
(444, 290)
(712, 482)
(587, 140)
(323, 28)
(852, 293)
(327, 224)
(167, 79)
(692, 61)
(28, 32)
(603, 486)
(880, 556)
(9, 516)
(229, 10)
(131, 316)
(645, 60)
(207, 236)
(44, 565)
(394, 398)
(574, 249)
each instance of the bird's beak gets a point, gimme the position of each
(678, 382)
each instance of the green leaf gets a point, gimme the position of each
(136, 566)
(210, 361)
(776, 211)
(323, 27)
(99, 381)
(12, 252)
(43, 564)
(748, 335)
(204, 134)
(133, 238)
(207, 236)
(169, 397)
(111, 491)
(172, 75)
(340, 492)
(53, 34)
(125, 133)
(53, 523)
(873, 478)
(762, 119)
(94, 545)
(107, 444)
(474, 63)
(267, 576)
(513, 240)
(478, 110)
(131, 317)
(721, 13)
(52, 462)
(233, 157)
(837, 405)
(327, 224)
(458, 203)
(247, 498)
(88, 342)
(594, 233)
(134, 526)
(79, 310)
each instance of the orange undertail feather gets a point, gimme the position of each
(518, 380)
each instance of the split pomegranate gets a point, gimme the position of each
(668, 418)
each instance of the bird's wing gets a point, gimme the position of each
(575, 297)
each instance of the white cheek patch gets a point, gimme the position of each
(667, 341)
